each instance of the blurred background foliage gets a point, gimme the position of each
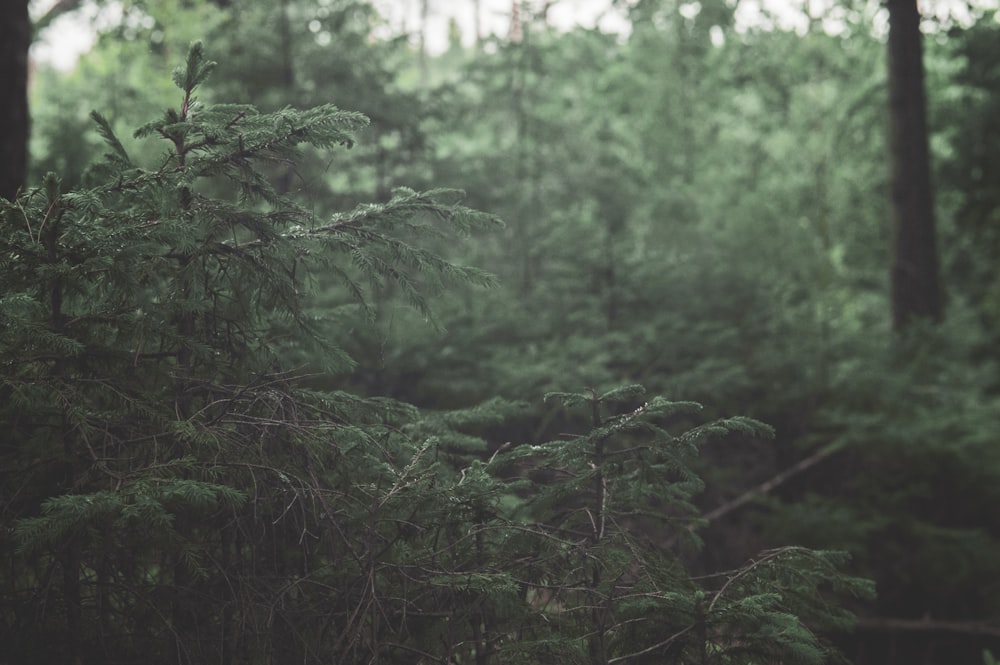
(699, 206)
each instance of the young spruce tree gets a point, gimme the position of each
(170, 492)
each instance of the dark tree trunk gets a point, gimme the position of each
(425, 73)
(916, 290)
(15, 38)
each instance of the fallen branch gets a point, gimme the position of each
(771, 483)
(929, 625)
(763, 488)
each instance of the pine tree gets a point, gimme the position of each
(170, 493)
(612, 523)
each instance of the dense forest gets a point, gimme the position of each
(675, 345)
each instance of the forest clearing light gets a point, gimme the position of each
(794, 15)
(73, 34)
(494, 17)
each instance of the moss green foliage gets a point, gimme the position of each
(702, 210)
(699, 207)
(174, 491)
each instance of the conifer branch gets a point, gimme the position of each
(653, 647)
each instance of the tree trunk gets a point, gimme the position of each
(15, 38)
(916, 290)
(425, 67)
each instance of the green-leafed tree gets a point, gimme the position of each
(966, 121)
(748, 255)
(610, 516)
(291, 53)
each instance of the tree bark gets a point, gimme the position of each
(916, 290)
(15, 38)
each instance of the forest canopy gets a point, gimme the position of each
(673, 344)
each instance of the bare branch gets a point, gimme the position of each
(770, 484)
(888, 624)
(54, 12)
